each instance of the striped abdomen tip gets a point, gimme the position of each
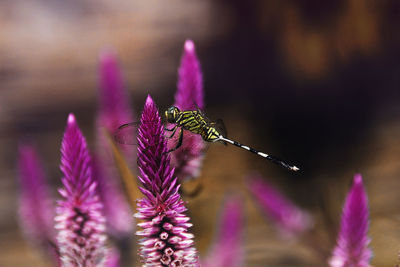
(294, 168)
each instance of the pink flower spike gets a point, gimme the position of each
(36, 210)
(352, 244)
(119, 217)
(166, 241)
(113, 98)
(227, 249)
(79, 219)
(190, 94)
(290, 219)
(188, 159)
(113, 111)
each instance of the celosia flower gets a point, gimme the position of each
(289, 218)
(166, 241)
(188, 159)
(113, 111)
(79, 220)
(227, 249)
(119, 219)
(190, 94)
(36, 211)
(352, 244)
(114, 108)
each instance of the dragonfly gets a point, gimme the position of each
(196, 122)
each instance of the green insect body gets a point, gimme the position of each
(195, 122)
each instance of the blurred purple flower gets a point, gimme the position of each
(188, 159)
(190, 94)
(113, 111)
(227, 249)
(79, 219)
(166, 241)
(36, 210)
(113, 98)
(289, 218)
(119, 218)
(352, 244)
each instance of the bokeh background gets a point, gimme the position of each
(315, 82)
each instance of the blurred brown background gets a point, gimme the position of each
(316, 82)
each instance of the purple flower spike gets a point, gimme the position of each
(190, 94)
(166, 241)
(352, 244)
(188, 159)
(289, 218)
(116, 209)
(36, 211)
(80, 221)
(113, 98)
(114, 111)
(228, 246)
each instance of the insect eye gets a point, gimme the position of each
(170, 114)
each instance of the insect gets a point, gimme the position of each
(196, 122)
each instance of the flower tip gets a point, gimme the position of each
(149, 101)
(189, 45)
(254, 182)
(294, 168)
(352, 242)
(24, 149)
(357, 179)
(71, 119)
(108, 55)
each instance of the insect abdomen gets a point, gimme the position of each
(210, 134)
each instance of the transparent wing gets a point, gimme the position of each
(127, 133)
(220, 126)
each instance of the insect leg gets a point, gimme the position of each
(170, 130)
(179, 144)
(173, 131)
